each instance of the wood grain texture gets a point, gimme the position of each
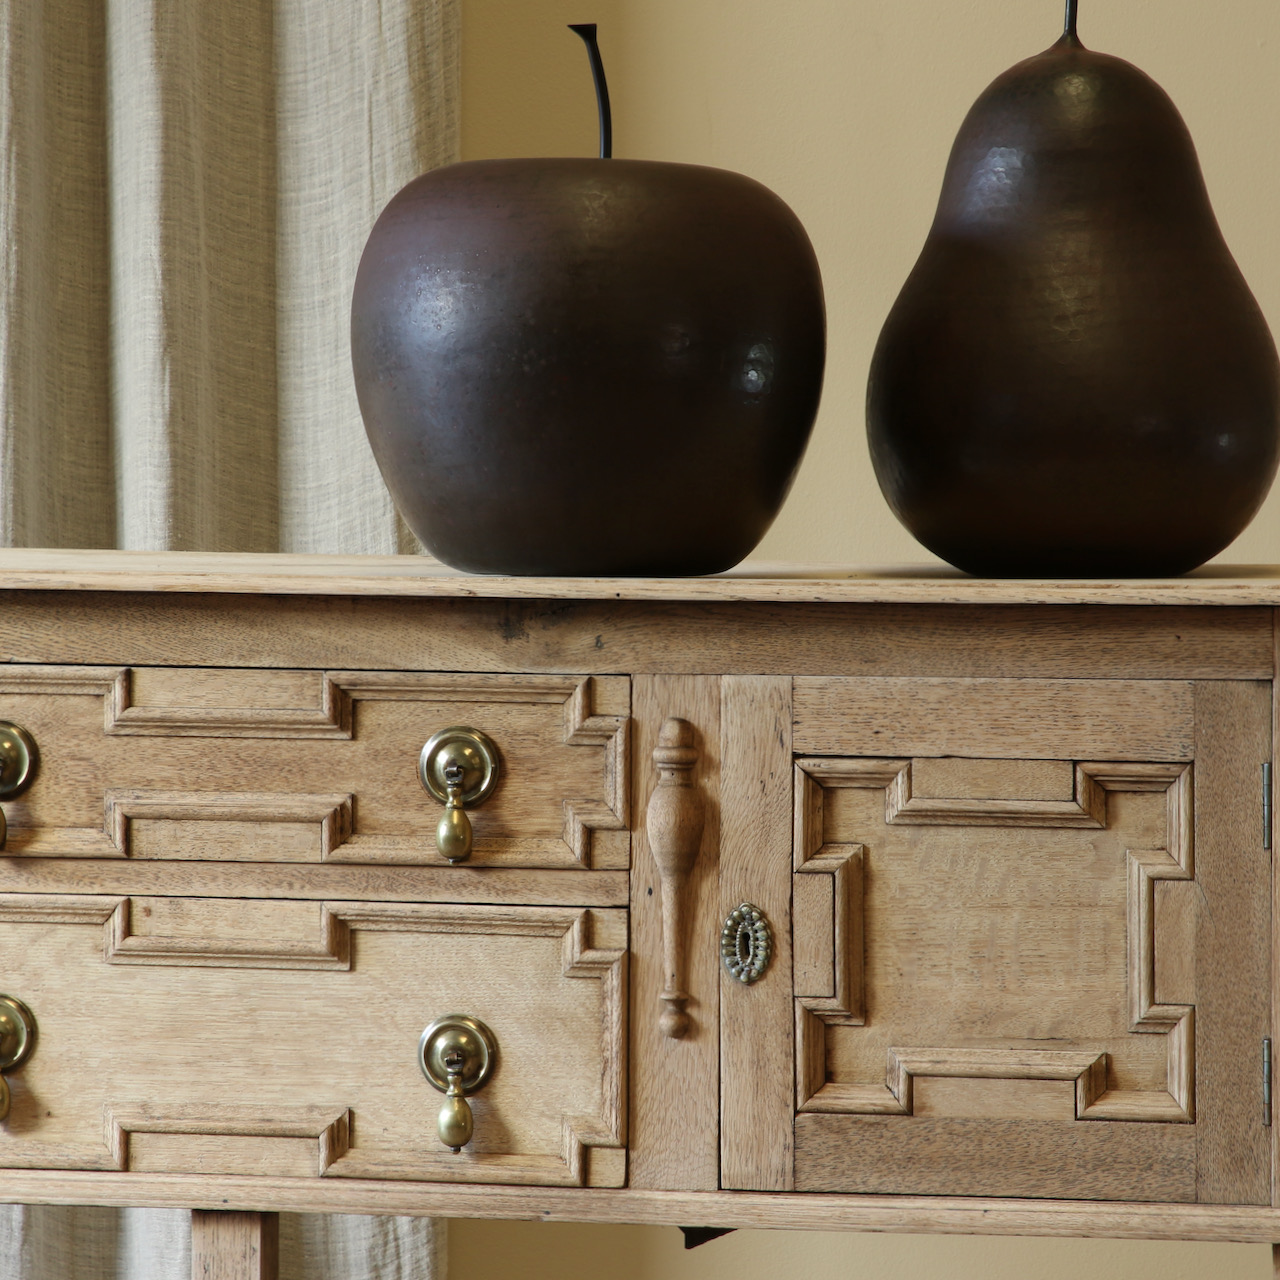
(1040, 1157)
(757, 1088)
(169, 571)
(1274, 957)
(176, 702)
(236, 933)
(967, 1215)
(675, 1084)
(1148, 813)
(323, 1136)
(230, 1059)
(673, 824)
(231, 791)
(226, 1245)
(1039, 719)
(1233, 979)
(578, 637)
(819, 956)
(294, 880)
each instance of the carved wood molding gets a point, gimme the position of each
(331, 948)
(331, 812)
(584, 727)
(1087, 808)
(580, 958)
(330, 1128)
(101, 682)
(48, 908)
(330, 719)
(674, 822)
(1094, 1101)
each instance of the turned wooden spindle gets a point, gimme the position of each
(674, 822)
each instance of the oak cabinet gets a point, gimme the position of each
(1010, 842)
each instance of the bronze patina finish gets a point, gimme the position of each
(1075, 378)
(588, 366)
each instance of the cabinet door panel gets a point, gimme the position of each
(1033, 976)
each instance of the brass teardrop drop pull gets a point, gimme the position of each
(459, 766)
(17, 766)
(457, 1054)
(17, 1039)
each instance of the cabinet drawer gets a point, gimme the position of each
(225, 1036)
(311, 766)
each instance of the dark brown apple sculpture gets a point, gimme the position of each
(588, 366)
(1075, 378)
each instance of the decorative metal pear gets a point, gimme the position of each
(1075, 379)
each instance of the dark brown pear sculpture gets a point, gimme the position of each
(1075, 378)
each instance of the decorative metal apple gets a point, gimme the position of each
(588, 366)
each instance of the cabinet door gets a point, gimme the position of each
(1031, 927)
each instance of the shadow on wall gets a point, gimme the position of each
(555, 1251)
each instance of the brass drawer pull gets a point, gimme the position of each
(459, 766)
(17, 767)
(17, 1039)
(457, 1054)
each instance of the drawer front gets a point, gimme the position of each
(313, 766)
(226, 1036)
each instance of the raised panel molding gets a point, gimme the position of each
(593, 1146)
(836, 920)
(1087, 808)
(219, 946)
(330, 813)
(330, 719)
(595, 829)
(329, 1128)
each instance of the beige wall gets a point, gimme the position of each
(847, 108)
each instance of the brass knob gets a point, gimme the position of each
(457, 1054)
(459, 766)
(17, 1039)
(17, 767)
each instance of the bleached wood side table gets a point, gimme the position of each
(896, 901)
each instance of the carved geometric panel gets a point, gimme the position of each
(1006, 931)
(154, 1055)
(309, 766)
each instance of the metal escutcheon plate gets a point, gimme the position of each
(17, 1033)
(746, 943)
(457, 1031)
(468, 748)
(17, 759)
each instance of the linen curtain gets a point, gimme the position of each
(185, 192)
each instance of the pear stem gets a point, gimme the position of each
(587, 30)
(1069, 24)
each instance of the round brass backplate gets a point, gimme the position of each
(458, 1033)
(17, 1033)
(472, 751)
(17, 759)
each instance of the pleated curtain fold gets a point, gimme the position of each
(185, 192)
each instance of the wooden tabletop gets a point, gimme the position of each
(189, 571)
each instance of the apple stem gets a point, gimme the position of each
(587, 30)
(1069, 25)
